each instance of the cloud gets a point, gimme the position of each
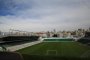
(1, 22)
(44, 15)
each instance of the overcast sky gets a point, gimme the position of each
(44, 15)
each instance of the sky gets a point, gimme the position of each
(44, 15)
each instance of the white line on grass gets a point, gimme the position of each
(51, 51)
(86, 54)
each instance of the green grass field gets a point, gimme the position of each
(56, 51)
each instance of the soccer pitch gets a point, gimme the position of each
(57, 49)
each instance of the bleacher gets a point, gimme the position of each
(85, 39)
(12, 39)
(58, 39)
(10, 56)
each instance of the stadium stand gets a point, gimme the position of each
(10, 56)
(12, 39)
(85, 39)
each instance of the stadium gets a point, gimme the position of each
(44, 29)
(53, 48)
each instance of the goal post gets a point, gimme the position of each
(51, 52)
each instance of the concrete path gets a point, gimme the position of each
(17, 47)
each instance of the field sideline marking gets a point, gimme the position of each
(86, 54)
